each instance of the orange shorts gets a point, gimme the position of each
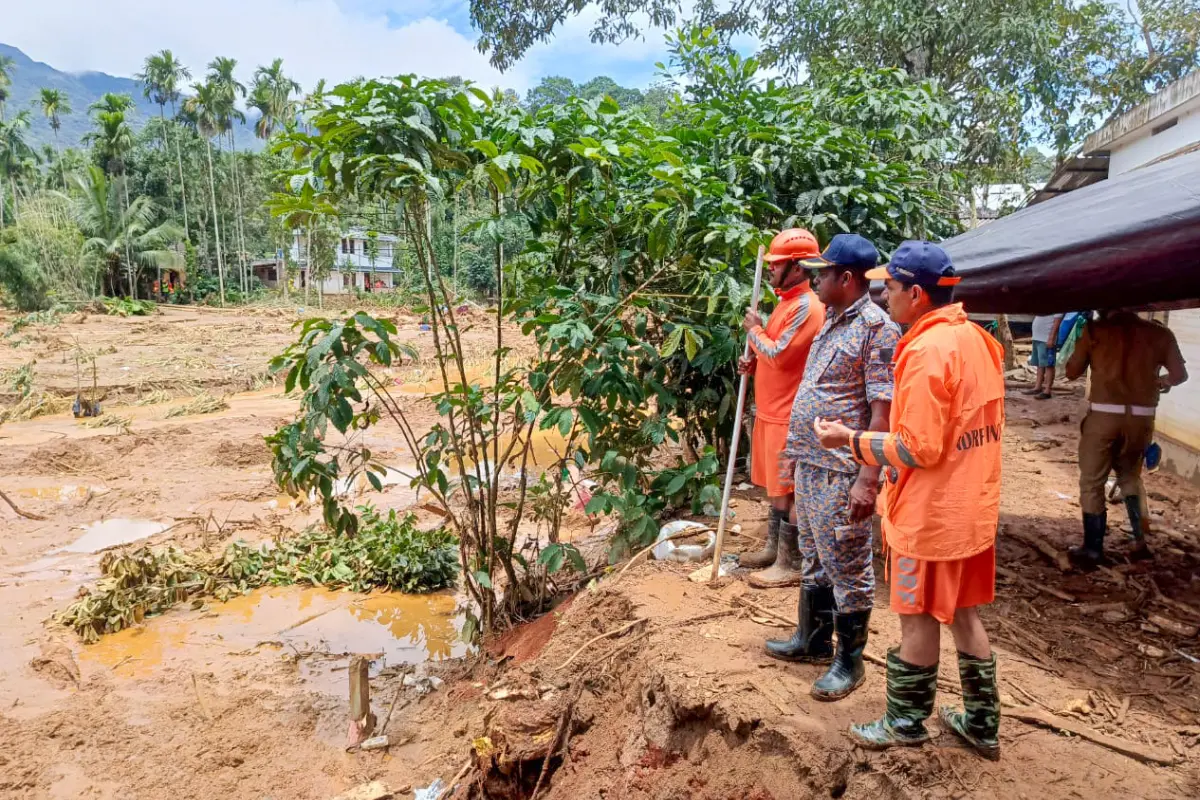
(938, 588)
(766, 445)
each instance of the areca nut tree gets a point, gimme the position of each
(112, 229)
(202, 110)
(6, 65)
(15, 156)
(55, 105)
(111, 143)
(228, 90)
(161, 77)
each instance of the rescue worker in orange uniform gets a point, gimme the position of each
(779, 350)
(941, 502)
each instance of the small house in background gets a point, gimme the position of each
(361, 261)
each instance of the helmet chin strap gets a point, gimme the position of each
(787, 273)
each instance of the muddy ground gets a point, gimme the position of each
(248, 699)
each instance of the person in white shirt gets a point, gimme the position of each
(1045, 340)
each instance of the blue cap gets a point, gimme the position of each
(918, 262)
(846, 250)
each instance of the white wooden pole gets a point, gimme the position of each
(737, 429)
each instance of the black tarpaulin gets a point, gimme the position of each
(1130, 241)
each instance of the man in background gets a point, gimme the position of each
(778, 352)
(848, 377)
(1045, 340)
(1127, 356)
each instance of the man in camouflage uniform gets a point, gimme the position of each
(848, 377)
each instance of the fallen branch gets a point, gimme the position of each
(1133, 750)
(1056, 556)
(616, 651)
(593, 640)
(791, 623)
(20, 513)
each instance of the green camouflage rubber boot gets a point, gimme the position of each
(979, 721)
(910, 694)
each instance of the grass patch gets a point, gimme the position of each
(201, 404)
(389, 552)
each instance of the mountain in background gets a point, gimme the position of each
(83, 89)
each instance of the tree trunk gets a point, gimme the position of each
(1, 200)
(125, 235)
(212, 190)
(182, 183)
(307, 261)
(1004, 334)
(62, 168)
(237, 195)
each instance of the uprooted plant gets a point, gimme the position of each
(390, 552)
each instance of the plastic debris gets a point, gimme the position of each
(375, 743)
(670, 551)
(431, 792)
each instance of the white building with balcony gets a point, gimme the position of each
(364, 260)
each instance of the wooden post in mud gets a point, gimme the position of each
(362, 721)
(737, 429)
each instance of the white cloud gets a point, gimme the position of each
(315, 38)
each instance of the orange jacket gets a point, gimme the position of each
(943, 451)
(782, 350)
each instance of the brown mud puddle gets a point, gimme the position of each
(391, 628)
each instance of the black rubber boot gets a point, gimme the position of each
(766, 557)
(1091, 554)
(812, 641)
(1137, 522)
(910, 694)
(979, 721)
(846, 673)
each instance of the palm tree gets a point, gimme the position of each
(55, 106)
(15, 156)
(220, 75)
(111, 143)
(203, 109)
(111, 231)
(161, 76)
(6, 65)
(272, 95)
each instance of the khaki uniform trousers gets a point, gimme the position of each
(1108, 442)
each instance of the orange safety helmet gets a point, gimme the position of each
(792, 244)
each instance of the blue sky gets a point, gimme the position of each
(331, 39)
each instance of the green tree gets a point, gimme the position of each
(112, 229)
(111, 143)
(1158, 44)
(1019, 71)
(204, 109)
(16, 158)
(55, 105)
(227, 90)
(273, 95)
(161, 77)
(552, 90)
(6, 68)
